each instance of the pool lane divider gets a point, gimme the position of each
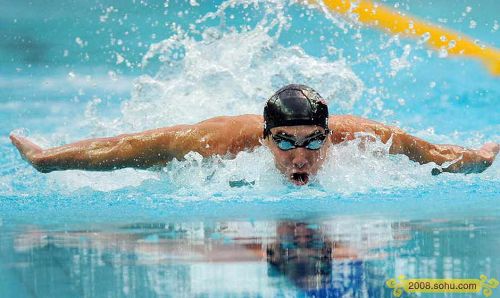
(385, 18)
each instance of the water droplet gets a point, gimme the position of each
(79, 41)
(425, 37)
(112, 75)
(495, 26)
(119, 58)
(443, 53)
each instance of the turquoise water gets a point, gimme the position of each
(79, 69)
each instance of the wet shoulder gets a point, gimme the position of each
(241, 124)
(344, 127)
(234, 133)
(246, 132)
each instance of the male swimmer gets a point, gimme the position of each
(297, 130)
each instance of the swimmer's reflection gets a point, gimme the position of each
(304, 255)
(299, 253)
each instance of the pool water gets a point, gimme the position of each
(210, 228)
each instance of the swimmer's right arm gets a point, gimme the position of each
(220, 135)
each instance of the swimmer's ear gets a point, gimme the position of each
(263, 140)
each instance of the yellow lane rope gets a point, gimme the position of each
(374, 14)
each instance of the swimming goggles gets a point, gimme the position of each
(313, 142)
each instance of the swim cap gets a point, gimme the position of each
(295, 105)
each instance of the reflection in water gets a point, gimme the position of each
(339, 257)
(304, 255)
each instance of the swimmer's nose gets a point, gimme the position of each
(299, 159)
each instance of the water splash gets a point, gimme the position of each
(208, 70)
(362, 166)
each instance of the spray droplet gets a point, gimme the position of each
(119, 58)
(495, 26)
(425, 37)
(443, 53)
(112, 75)
(79, 42)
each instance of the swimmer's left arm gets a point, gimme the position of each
(463, 160)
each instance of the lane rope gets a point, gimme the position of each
(378, 15)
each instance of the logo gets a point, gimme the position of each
(451, 285)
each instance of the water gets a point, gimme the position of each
(77, 69)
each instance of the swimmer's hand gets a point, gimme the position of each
(490, 148)
(29, 151)
(472, 161)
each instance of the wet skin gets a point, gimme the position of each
(228, 135)
(300, 163)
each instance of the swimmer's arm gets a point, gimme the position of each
(421, 151)
(463, 160)
(220, 135)
(138, 150)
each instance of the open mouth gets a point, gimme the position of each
(299, 178)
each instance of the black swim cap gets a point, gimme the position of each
(295, 105)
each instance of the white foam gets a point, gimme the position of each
(229, 71)
(361, 167)
(70, 181)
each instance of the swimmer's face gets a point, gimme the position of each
(302, 254)
(300, 163)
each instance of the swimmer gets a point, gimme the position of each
(295, 126)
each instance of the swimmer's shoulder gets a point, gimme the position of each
(247, 131)
(343, 127)
(248, 123)
(236, 133)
